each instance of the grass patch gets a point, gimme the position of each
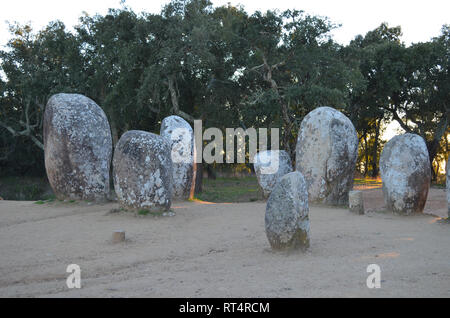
(25, 189)
(367, 181)
(145, 212)
(244, 189)
(438, 185)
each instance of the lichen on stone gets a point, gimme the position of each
(287, 214)
(270, 166)
(77, 148)
(326, 154)
(181, 138)
(142, 169)
(406, 174)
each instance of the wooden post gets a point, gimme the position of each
(118, 236)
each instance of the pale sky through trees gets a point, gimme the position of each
(420, 20)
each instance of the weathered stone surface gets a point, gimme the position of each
(270, 166)
(356, 202)
(406, 174)
(77, 148)
(181, 137)
(447, 180)
(287, 214)
(143, 171)
(326, 154)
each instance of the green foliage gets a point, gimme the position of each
(224, 66)
(243, 189)
(143, 212)
(27, 189)
(405, 84)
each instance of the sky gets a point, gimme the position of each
(420, 20)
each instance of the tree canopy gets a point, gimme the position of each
(226, 67)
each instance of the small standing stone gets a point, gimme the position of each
(181, 139)
(287, 214)
(355, 202)
(142, 169)
(406, 174)
(270, 166)
(118, 236)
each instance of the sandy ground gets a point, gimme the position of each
(218, 250)
(436, 202)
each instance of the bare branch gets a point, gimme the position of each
(174, 98)
(28, 131)
(255, 68)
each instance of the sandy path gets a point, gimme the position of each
(217, 250)
(436, 201)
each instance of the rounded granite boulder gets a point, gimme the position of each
(181, 139)
(406, 174)
(142, 170)
(326, 154)
(287, 214)
(270, 166)
(77, 148)
(448, 187)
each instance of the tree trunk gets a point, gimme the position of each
(284, 108)
(211, 173)
(174, 98)
(374, 173)
(366, 154)
(114, 132)
(433, 145)
(199, 179)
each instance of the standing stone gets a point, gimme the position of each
(142, 170)
(326, 154)
(77, 148)
(447, 180)
(287, 214)
(270, 166)
(406, 174)
(356, 202)
(181, 137)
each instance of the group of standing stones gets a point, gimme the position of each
(78, 150)
(326, 154)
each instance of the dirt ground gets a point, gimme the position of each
(436, 201)
(220, 250)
